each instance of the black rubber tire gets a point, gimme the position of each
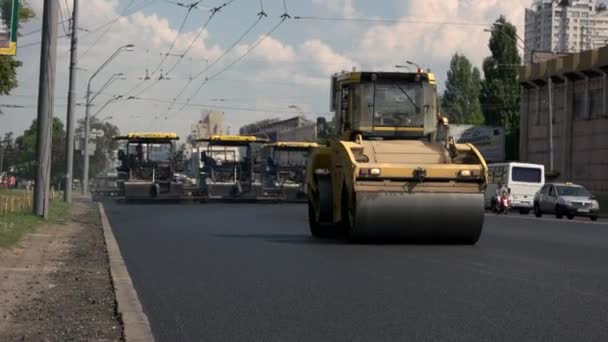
(320, 224)
(593, 218)
(320, 230)
(537, 211)
(325, 193)
(348, 212)
(570, 216)
(558, 212)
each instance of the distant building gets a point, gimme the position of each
(211, 123)
(565, 26)
(276, 128)
(580, 118)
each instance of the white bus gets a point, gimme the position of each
(522, 179)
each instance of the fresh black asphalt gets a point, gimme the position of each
(251, 272)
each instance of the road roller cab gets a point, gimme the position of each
(390, 169)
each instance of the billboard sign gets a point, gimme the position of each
(9, 22)
(489, 140)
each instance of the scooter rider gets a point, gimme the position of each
(502, 192)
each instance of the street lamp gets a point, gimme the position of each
(87, 120)
(399, 66)
(118, 76)
(115, 98)
(498, 27)
(418, 68)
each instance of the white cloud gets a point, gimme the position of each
(432, 45)
(273, 50)
(323, 57)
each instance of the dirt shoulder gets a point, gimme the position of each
(55, 284)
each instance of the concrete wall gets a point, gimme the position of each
(580, 118)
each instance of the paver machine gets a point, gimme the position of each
(147, 166)
(284, 174)
(390, 171)
(231, 168)
(105, 185)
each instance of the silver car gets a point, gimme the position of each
(565, 199)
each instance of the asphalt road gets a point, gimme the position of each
(249, 272)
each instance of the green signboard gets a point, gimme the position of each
(9, 22)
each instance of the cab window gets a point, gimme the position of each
(552, 191)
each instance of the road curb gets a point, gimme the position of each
(135, 322)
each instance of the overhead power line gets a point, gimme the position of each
(38, 30)
(109, 27)
(261, 15)
(87, 32)
(214, 11)
(284, 17)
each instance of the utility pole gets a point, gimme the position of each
(46, 94)
(69, 141)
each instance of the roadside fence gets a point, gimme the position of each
(20, 201)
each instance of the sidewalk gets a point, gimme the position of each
(55, 284)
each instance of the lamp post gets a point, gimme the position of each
(87, 120)
(118, 76)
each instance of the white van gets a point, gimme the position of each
(522, 179)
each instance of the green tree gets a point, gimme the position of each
(460, 101)
(105, 146)
(7, 145)
(500, 93)
(26, 152)
(8, 64)
(500, 89)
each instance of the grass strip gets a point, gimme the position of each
(14, 226)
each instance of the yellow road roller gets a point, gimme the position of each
(390, 170)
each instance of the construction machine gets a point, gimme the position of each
(230, 168)
(284, 174)
(147, 166)
(105, 185)
(390, 169)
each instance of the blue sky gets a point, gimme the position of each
(292, 66)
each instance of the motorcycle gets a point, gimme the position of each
(503, 204)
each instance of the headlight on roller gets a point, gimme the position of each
(465, 173)
(373, 172)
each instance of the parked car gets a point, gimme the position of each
(566, 199)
